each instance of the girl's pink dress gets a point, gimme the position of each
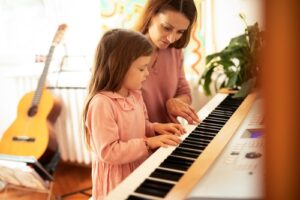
(117, 127)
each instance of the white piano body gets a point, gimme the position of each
(230, 167)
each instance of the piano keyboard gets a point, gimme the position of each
(168, 168)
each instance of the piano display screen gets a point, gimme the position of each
(252, 133)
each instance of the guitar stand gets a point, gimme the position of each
(24, 174)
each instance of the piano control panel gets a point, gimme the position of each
(237, 173)
(246, 152)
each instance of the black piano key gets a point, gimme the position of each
(213, 121)
(185, 153)
(191, 146)
(226, 108)
(167, 175)
(188, 140)
(176, 163)
(134, 197)
(197, 139)
(222, 113)
(201, 136)
(218, 119)
(154, 188)
(232, 102)
(205, 126)
(219, 116)
(211, 126)
(208, 132)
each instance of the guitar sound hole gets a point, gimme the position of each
(32, 111)
(23, 139)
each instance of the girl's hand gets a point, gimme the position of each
(169, 128)
(162, 141)
(176, 107)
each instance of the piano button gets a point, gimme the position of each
(185, 153)
(166, 174)
(154, 188)
(252, 155)
(133, 197)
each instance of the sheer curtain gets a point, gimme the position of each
(28, 26)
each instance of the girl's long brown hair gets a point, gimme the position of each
(154, 7)
(114, 55)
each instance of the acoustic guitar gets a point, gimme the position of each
(32, 132)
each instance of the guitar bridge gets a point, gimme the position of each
(23, 139)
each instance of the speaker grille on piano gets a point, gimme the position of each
(165, 176)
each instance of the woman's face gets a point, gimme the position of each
(166, 28)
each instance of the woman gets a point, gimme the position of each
(168, 24)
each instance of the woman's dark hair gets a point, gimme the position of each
(154, 7)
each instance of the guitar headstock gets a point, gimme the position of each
(59, 34)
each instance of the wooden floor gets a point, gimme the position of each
(71, 182)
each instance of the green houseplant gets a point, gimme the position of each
(239, 62)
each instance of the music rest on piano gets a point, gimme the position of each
(174, 172)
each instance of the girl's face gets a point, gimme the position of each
(166, 28)
(136, 74)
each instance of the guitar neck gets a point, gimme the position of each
(56, 40)
(42, 79)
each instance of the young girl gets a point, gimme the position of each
(116, 123)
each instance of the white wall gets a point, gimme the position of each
(28, 27)
(223, 21)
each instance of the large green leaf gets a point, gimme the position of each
(239, 62)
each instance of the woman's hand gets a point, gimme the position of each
(169, 128)
(176, 107)
(162, 141)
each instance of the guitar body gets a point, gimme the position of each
(31, 134)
